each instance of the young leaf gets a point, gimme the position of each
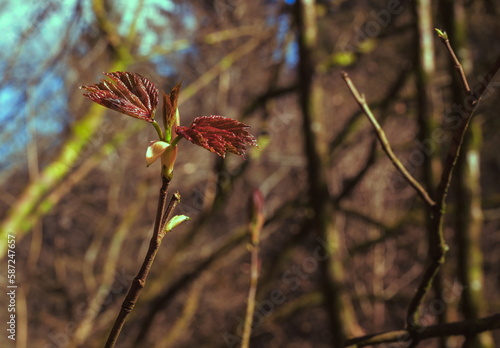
(218, 134)
(128, 93)
(175, 221)
(170, 113)
(155, 150)
(441, 33)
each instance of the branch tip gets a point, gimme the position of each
(441, 33)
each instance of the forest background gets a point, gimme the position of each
(341, 223)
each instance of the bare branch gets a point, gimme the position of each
(360, 99)
(140, 280)
(461, 328)
(444, 38)
(438, 244)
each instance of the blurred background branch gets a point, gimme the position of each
(345, 239)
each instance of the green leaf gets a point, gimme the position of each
(175, 221)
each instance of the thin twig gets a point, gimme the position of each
(176, 198)
(360, 99)
(255, 229)
(140, 280)
(162, 300)
(444, 38)
(254, 276)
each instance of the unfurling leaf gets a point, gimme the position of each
(128, 93)
(218, 134)
(175, 221)
(441, 33)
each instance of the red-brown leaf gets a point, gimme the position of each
(128, 93)
(170, 102)
(218, 134)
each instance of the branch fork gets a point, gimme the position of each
(436, 206)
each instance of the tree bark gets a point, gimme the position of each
(338, 304)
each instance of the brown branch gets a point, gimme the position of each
(383, 104)
(176, 198)
(140, 280)
(444, 38)
(461, 328)
(162, 300)
(438, 247)
(360, 99)
(252, 292)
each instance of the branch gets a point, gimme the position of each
(360, 99)
(255, 229)
(163, 300)
(461, 328)
(383, 104)
(444, 38)
(438, 245)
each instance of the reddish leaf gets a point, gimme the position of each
(170, 106)
(128, 93)
(218, 134)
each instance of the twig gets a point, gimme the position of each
(444, 38)
(255, 229)
(176, 198)
(360, 99)
(254, 276)
(438, 247)
(140, 280)
(461, 328)
(383, 104)
(162, 300)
